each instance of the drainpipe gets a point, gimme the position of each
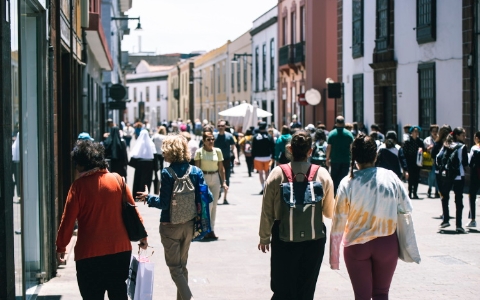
(179, 94)
(473, 70)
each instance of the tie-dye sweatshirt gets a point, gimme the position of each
(366, 207)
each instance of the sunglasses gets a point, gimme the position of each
(220, 125)
(210, 140)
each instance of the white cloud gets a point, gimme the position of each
(171, 26)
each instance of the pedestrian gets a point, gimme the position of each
(158, 158)
(143, 153)
(338, 151)
(452, 160)
(263, 150)
(319, 147)
(192, 145)
(225, 141)
(441, 138)
(137, 129)
(246, 146)
(210, 160)
(390, 156)
(474, 163)
(295, 124)
(365, 219)
(129, 132)
(103, 249)
(428, 143)
(294, 266)
(374, 127)
(406, 133)
(281, 146)
(175, 238)
(411, 148)
(116, 152)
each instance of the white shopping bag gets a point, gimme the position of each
(140, 279)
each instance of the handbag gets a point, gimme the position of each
(135, 229)
(420, 157)
(202, 220)
(427, 159)
(140, 279)
(407, 243)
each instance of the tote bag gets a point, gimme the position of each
(407, 243)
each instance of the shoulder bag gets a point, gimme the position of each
(135, 229)
(407, 243)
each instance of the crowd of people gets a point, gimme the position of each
(357, 170)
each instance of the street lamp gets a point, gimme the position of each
(139, 26)
(237, 56)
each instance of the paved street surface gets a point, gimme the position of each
(233, 268)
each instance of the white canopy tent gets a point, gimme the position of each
(245, 115)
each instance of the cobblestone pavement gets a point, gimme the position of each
(233, 268)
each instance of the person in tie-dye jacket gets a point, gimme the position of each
(365, 222)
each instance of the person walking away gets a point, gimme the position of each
(319, 147)
(390, 156)
(192, 146)
(158, 159)
(365, 219)
(210, 160)
(452, 160)
(474, 163)
(143, 153)
(428, 143)
(176, 227)
(225, 142)
(375, 128)
(281, 146)
(442, 136)
(262, 151)
(129, 132)
(338, 151)
(295, 265)
(411, 147)
(103, 249)
(246, 146)
(116, 152)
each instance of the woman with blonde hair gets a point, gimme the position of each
(210, 160)
(176, 238)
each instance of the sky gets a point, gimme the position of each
(184, 26)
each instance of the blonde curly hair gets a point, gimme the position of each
(175, 148)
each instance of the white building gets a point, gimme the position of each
(402, 71)
(264, 62)
(148, 94)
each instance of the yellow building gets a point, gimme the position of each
(173, 94)
(180, 97)
(210, 82)
(240, 69)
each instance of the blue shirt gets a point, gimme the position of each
(224, 142)
(163, 200)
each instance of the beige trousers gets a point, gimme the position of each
(213, 182)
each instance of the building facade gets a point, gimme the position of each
(148, 94)
(239, 68)
(265, 64)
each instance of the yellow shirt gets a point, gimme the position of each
(209, 160)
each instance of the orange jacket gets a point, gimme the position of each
(96, 202)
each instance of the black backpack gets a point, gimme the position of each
(448, 163)
(319, 157)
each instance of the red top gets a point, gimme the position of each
(95, 201)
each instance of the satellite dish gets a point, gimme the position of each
(313, 97)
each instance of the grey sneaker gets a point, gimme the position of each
(472, 223)
(460, 230)
(444, 224)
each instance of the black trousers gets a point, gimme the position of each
(458, 190)
(472, 193)
(98, 274)
(338, 171)
(249, 161)
(143, 176)
(294, 267)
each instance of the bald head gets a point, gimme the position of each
(340, 121)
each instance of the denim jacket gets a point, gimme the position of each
(163, 200)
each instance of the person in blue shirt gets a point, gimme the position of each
(176, 238)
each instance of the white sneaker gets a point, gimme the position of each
(461, 230)
(472, 223)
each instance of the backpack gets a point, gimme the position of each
(448, 163)
(248, 148)
(318, 156)
(282, 158)
(301, 217)
(182, 205)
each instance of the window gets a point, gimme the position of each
(218, 79)
(264, 66)
(302, 22)
(382, 25)
(158, 93)
(294, 28)
(426, 21)
(233, 77)
(245, 83)
(158, 114)
(257, 87)
(239, 83)
(358, 98)
(134, 94)
(224, 78)
(147, 94)
(357, 28)
(272, 64)
(284, 31)
(426, 97)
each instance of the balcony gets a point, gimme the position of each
(299, 53)
(96, 38)
(285, 55)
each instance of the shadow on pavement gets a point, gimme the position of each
(49, 297)
(444, 231)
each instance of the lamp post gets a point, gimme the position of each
(139, 25)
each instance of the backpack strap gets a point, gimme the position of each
(172, 173)
(287, 170)
(312, 171)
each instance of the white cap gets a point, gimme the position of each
(310, 127)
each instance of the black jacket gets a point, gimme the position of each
(262, 145)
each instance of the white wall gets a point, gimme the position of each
(258, 40)
(446, 52)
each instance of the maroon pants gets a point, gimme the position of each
(371, 266)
